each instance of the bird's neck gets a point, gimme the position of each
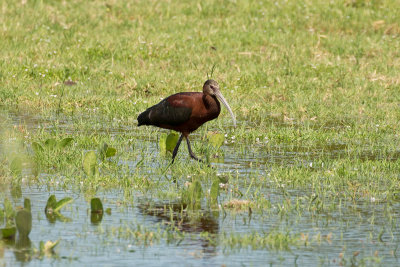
(211, 103)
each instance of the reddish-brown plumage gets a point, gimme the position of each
(185, 112)
(203, 108)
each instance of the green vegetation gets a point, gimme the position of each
(312, 167)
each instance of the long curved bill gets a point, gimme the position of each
(223, 100)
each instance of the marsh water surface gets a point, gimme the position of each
(296, 226)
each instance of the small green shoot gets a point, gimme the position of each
(50, 143)
(108, 211)
(16, 166)
(96, 206)
(162, 143)
(96, 211)
(215, 139)
(64, 142)
(62, 203)
(106, 152)
(89, 163)
(48, 247)
(171, 141)
(168, 142)
(9, 212)
(54, 206)
(193, 195)
(23, 221)
(8, 233)
(37, 148)
(214, 192)
(27, 204)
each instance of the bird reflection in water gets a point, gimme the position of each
(189, 221)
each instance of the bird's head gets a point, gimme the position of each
(211, 87)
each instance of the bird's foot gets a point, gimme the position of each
(193, 156)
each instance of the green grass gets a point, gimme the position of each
(314, 85)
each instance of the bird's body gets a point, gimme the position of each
(182, 112)
(185, 112)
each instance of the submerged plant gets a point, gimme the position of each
(90, 165)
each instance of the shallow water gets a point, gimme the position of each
(334, 237)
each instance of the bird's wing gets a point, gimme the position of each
(173, 110)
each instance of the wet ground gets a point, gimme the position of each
(355, 232)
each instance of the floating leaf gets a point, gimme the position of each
(214, 192)
(96, 206)
(8, 233)
(90, 163)
(62, 203)
(23, 221)
(63, 143)
(37, 147)
(215, 139)
(50, 143)
(171, 141)
(108, 211)
(16, 166)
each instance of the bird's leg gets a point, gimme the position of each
(176, 148)
(192, 155)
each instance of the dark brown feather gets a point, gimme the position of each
(182, 112)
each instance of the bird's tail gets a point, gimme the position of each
(143, 118)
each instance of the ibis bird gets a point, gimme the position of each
(185, 112)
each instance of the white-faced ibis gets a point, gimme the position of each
(185, 112)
